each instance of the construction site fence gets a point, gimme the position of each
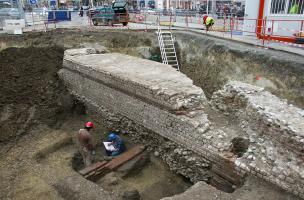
(40, 19)
(262, 30)
(265, 30)
(186, 12)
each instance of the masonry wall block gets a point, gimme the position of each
(152, 99)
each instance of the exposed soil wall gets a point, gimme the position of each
(31, 92)
(140, 44)
(211, 62)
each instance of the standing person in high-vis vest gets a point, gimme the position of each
(208, 22)
(295, 8)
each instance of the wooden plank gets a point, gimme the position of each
(105, 166)
(125, 157)
(92, 167)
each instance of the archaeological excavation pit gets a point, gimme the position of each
(51, 148)
(144, 175)
(212, 125)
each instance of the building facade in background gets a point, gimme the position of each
(206, 6)
(281, 19)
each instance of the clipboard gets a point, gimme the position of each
(109, 146)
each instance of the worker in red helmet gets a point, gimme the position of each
(85, 143)
(208, 22)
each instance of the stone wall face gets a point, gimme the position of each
(178, 128)
(265, 113)
(180, 160)
(176, 110)
(275, 130)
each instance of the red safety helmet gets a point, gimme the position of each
(205, 18)
(89, 125)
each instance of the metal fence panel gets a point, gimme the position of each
(287, 7)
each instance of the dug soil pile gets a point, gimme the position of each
(30, 90)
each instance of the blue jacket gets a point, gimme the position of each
(118, 144)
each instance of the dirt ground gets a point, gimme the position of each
(30, 166)
(151, 178)
(34, 164)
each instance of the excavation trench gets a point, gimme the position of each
(145, 176)
(38, 112)
(39, 118)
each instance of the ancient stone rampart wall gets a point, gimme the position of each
(165, 102)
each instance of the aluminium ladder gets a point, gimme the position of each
(167, 49)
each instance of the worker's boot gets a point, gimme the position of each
(107, 158)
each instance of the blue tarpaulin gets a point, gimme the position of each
(52, 3)
(59, 15)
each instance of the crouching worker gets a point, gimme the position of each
(208, 22)
(299, 37)
(85, 144)
(117, 143)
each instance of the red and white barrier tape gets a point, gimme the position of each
(290, 44)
